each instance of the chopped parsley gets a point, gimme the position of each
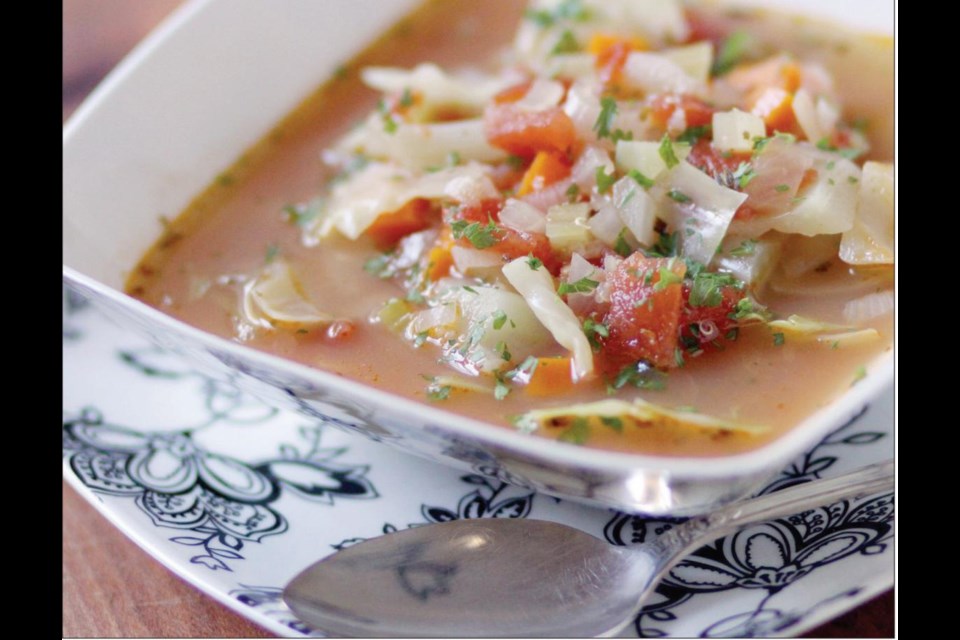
(565, 10)
(380, 266)
(583, 285)
(534, 263)
(501, 389)
(621, 246)
(608, 112)
(667, 153)
(678, 196)
(566, 44)
(613, 422)
(594, 331)
(859, 375)
(524, 371)
(640, 375)
(421, 339)
(437, 391)
(503, 351)
(499, 319)
(778, 339)
(666, 246)
(733, 49)
(707, 288)
(781, 188)
(577, 432)
(573, 192)
(272, 252)
(692, 134)
(667, 278)
(678, 357)
(516, 162)
(302, 214)
(389, 124)
(640, 179)
(605, 180)
(480, 236)
(746, 248)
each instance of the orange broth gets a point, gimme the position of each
(191, 272)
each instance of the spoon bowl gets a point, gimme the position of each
(529, 578)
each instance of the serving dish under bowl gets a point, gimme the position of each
(184, 106)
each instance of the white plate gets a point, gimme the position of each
(236, 498)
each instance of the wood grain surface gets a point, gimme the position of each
(111, 587)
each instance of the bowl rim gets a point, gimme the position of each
(767, 456)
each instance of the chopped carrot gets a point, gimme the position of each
(388, 228)
(777, 71)
(524, 133)
(611, 52)
(775, 106)
(551, 377)
(547, 167)
(439, 260)
(601, 42)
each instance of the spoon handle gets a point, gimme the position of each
(698, 531)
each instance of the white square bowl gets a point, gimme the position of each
(204, 88)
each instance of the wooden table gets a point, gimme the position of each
(112, 588)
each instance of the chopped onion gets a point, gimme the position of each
(537, 288)
(801, 254)
(275, 299)
(636, 209)
(805, 111)
(480, 332)
(584, 171)
(436, 320)
(751, 261)
(583, 106)
(735, 130)
(645, 157)
(695, 59)
(549, 196)
(433, 85)
(522, 216)
(381, 188)
(654, 73)
(606, 224)
(645, 413)
(871, 240)
(472, 262)
(829, 205)
(421, 146)
(698, 208)
(541, 95)
(868, 307)
(470, 189)
(779, 169)
(801, 328)
(567, 227)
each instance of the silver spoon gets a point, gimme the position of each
(523, 578)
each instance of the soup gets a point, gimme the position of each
(664, 184)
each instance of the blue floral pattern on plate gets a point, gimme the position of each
(237, 497)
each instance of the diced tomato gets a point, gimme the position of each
(644, 316)
(545, 169)
(388, 228)
(698, 113)
(715, 163)
(709, 319)
(524, 133)
(509, 242)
